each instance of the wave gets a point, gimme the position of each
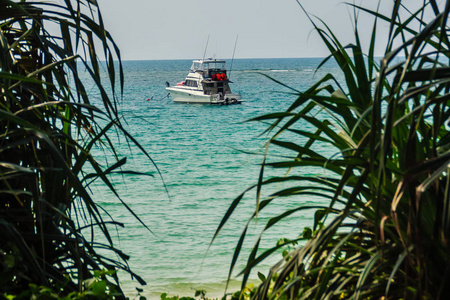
(276, 70)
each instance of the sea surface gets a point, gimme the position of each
(202, 158)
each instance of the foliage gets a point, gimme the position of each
(199, 294)
(93, 288)
(385, 229)
(164, 297)
(50, 227)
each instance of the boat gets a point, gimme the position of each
(206, 83)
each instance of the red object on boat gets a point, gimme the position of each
(219, 77)
(180, 83)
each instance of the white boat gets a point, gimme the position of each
(206, 83)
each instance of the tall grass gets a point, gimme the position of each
(48, 127)
(384, 233)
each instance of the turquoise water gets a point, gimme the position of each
(202, 155)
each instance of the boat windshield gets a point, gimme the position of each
(216, 65)
(197, 66)
(208, 65)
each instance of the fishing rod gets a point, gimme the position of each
(206, 47)
(231, 65)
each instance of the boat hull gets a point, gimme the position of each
(183, 95)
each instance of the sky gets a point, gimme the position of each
(179, 29)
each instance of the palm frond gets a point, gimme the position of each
(382, 138)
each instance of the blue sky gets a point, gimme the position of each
(179, 29)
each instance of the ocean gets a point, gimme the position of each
(202, 158)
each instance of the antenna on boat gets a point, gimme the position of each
(206, 47)
(231, 65)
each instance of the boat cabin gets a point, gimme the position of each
(210, 69)
(214, 75)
